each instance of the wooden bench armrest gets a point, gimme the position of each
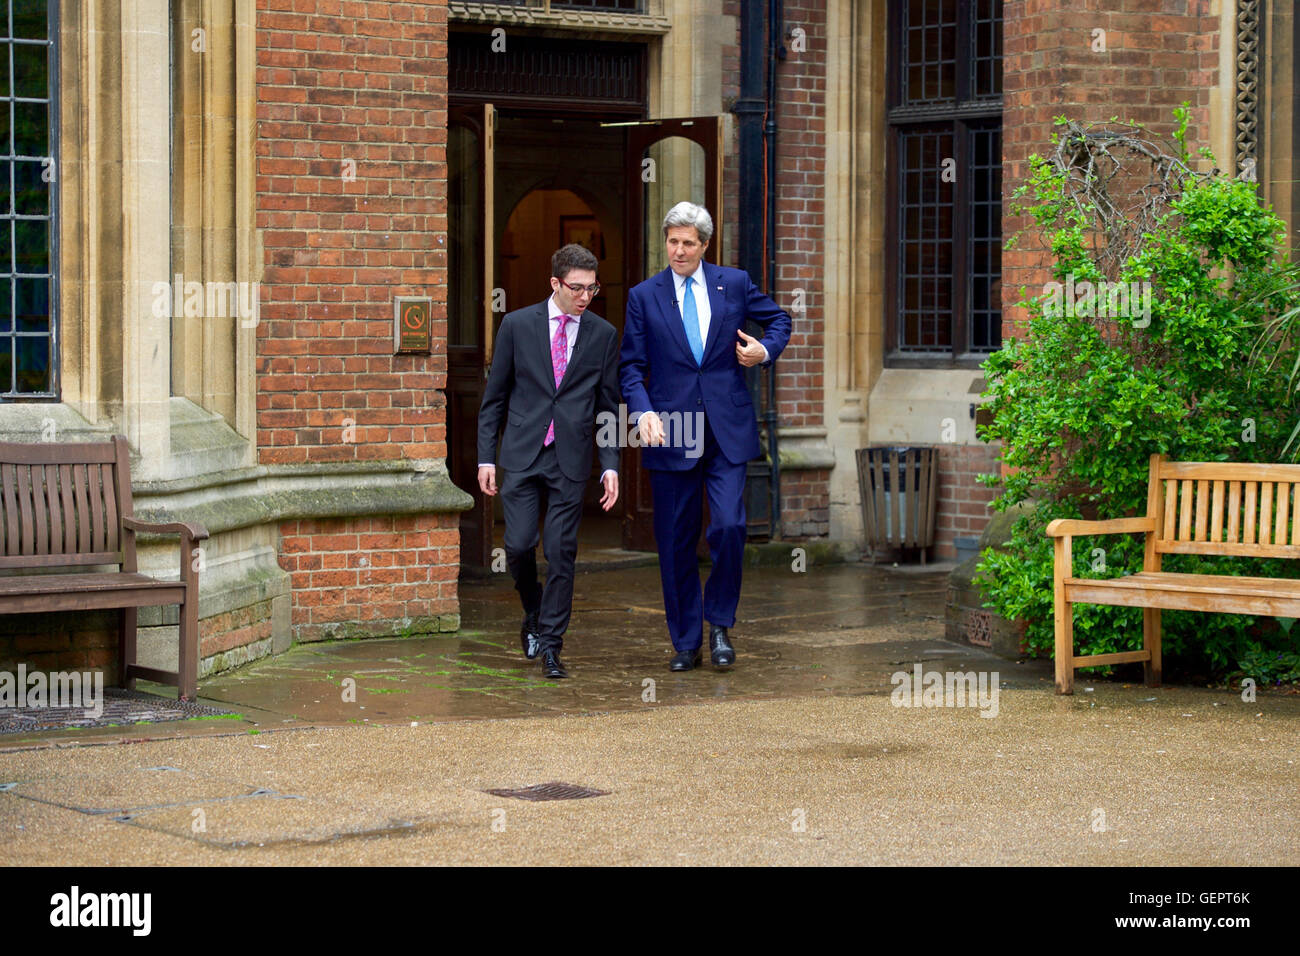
(1068, 527)
(195, 530)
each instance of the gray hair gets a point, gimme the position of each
(689, 214)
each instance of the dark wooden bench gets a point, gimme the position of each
(69, 506)
(1214, 508)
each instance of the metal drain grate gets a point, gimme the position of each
(120, 707)
(550, 791)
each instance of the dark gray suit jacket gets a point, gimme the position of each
(521, 390)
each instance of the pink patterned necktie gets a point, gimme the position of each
(559, 362)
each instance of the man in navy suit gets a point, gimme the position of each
(684, 345)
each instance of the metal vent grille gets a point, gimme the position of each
(549, 791)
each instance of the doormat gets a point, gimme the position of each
(120, 707)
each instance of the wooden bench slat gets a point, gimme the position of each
(1248, 536)
(1280, 528)
(98, 539)
(1171, 509)
(24, 584)
(1118, 657)
(82, 507)
(25, 508)
(58, 560)
(112, 526)
(152, 673)
(40, 511)
(9, 478)
(1202, 508)
(118, 598)
(1227, 471)
(69, 510)
(1295, 518)
(4, 514)
(52, 502)
(1230, 550)
(1271, 605)
(1234, 512)
(1201, 583)
(53, 453)
(1185, 512)
(1216, 513)
(1265, 512)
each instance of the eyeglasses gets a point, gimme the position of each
(579, 289)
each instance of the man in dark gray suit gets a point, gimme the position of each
(555, 368)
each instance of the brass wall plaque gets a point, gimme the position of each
(412, 325)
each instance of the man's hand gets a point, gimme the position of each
(487, 479)
(651, 429)
(750, 353)
(610, 481)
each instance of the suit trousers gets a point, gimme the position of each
(678, 515)
(524, 496)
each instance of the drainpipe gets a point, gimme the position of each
(751, 110)
(775, 52)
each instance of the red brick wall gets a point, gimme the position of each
(1159, 53)
(962, 503)
(85, 641)
(800, 211)
(238, 628)
(353, 87)
(805, 504)
(370, 577)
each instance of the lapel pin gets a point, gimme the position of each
(719, 288)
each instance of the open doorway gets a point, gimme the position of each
(528, 183)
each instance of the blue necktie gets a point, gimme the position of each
(691, 319)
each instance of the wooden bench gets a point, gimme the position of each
(1214, 508)
(64, 507)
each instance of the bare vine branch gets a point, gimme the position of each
(1122, 181)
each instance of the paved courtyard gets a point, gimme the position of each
(381, 752)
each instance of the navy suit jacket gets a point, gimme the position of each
(658, 373)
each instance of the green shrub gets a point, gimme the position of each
(1082, 401)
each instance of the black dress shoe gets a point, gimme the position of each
(686, 660)
(528, 635)
(551, 666)
(720, 650)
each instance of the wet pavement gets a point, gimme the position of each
(381, 751)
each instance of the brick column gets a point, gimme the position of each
(352, 208)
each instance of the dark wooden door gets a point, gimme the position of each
(470, 267)
(668, 161)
